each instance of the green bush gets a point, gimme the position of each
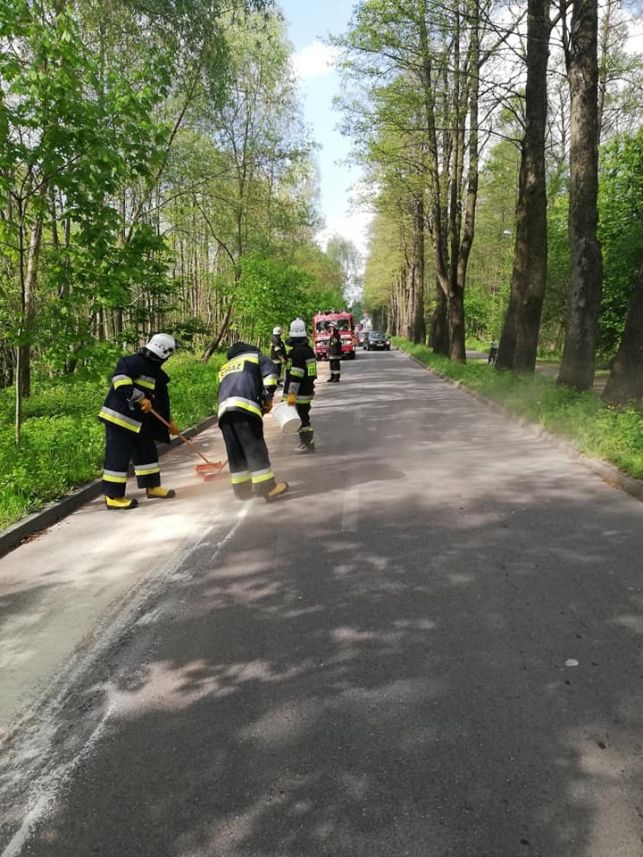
(594, 428)
(62, 441)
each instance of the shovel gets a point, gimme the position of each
(208, 470)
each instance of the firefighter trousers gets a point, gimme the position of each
(123, 446)
(306, 433)
(248, 457)
(335, 371)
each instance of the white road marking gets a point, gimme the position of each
(241, 515)
(351, 509)
(45, 790)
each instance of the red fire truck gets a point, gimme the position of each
(344, 323)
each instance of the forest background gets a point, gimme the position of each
(477, 123)
(155, 173)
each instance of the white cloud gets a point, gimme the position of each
(314, 60)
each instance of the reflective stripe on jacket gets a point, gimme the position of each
(335, 346)
(132, 373)
(245, 382)
(302, 371)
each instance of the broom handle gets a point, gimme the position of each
(184, 439)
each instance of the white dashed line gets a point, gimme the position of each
(351, 509)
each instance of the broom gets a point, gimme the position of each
(208, 470)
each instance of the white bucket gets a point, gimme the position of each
(286, 417)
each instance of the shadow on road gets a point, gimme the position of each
(399, 689)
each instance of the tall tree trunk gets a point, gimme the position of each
(461, 258)
(417, 322)
(519, 339)
(408, 286)
(626, 378)
(577, 365)
(23, 372)
(223, 329)
(456, 325)
(439, 337)
(437, 173)
(507, 346)
(6, 366)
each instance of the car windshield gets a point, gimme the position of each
(375, 334)
(342, 324)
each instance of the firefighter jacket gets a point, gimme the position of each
(246, 381)
(302, 371)
(277, 349)
(134, 375)
(335, 346)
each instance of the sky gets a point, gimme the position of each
(309, 25)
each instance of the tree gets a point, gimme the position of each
(490, 266)
(519, 339)
(626, 378)
(577, 365)
(419, 65)
(621, 231)
(347, 257)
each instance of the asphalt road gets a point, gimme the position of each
(432, 647)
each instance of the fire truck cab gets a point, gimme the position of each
(344, 323)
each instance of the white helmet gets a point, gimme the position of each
(162, 344)
(297, 328)
(276, 331)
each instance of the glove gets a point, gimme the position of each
(145, 405)
(135, 398)
(173, 429)
(267, 406)
(292, 399)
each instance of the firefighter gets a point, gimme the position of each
(278, 353)
(138, 384)
(300, 382)
(247, 384)
(334, 353)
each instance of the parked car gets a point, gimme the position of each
(377, 341)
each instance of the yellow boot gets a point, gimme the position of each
(160, 491)
(279, 489)
(121, 502)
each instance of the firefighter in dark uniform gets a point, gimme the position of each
(138, 384)
(334, 353)
(278, 352)
(300, 382)
(247, 384)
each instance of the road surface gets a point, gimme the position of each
(432, 647)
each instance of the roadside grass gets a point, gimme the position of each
(594, 428)
(62, 441)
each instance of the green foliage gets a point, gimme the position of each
(558, 273)
(271, 291)
(596, 429)
(62, 440)
(621, 233)
(489, 272)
